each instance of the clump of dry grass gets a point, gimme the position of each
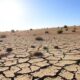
(74, 29)
(1, 40)
(13, 31)
(56, 47)
(60, 31)
(78, 62)
(39, 38)
(31, 29)
(65, 26)
(32, 46)
(38, 54)
(46, 32)
(9, 50)
(66, 29)
(45, 48)
(3, 36)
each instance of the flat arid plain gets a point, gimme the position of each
(41, 54)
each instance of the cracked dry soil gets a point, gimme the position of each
(42, 61)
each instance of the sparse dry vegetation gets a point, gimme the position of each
(32, 46)
(31, 29)
(9, 50)
(60, 31)
(38, 54)
(45, 48)
(1, 40)
(56, 47)
(39, 38)
(65, 26)
(66, 29)
(46, 32)
(12, 31)
(74, 29)
(2, 36)
(24, 56)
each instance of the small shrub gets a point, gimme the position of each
(78, 62)
(65, 26)
(39, 38)
(66, 29)
(32, 46)
(3, 36)
(60, 31)
(45, 48)
(9, 50)
(46, 32)
(74, 29)
(38, 54)
(1, 40)
(56, 47)
(12, 31)
(31, 29)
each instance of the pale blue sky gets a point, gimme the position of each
(25, 14)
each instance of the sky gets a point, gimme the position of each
(27, 14)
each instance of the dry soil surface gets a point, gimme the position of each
(54, 57)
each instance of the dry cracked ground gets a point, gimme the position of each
(51, 57)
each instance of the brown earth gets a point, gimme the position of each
(54, 57)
